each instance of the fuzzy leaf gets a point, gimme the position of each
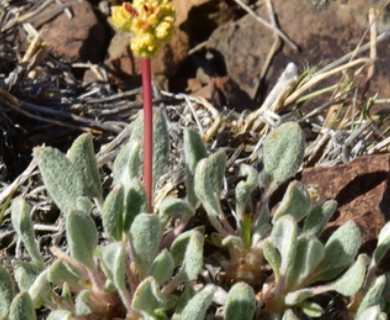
(340, 251)
(60, 315)
(197, 306)
(209, 176)
(284, 236)
(160, 141)
(127, 164)
(22, 307)
(82, 155)
(62, 179)
(61, 271)
(84, 204)
(289, 315)
(145, 235)
(21, 221)
(273, 258)
(296, 202)
(319, 217)
(147, 297)
(162, 267)
(352, 280)
(83, 305)
(283, 151)
(135, 203)
(373, 297)
(298, 296)
(383, 243)
(372, 313)
(312, 309)
(245, 188)
(194, 151)
(240, 303)
(39, 291)
(113, 255)
(193, 256)
(172, 207)
(310, 252)
(113, 210)
(6, 292)
(82, 237)
(25, 274)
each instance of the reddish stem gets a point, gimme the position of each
(148, 131)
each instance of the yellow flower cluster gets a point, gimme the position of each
(151, 22)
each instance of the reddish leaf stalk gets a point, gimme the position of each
(148, 131)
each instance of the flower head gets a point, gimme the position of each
(151, 22)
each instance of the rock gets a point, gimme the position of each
(244, 45)
(80, 38)
(361, 188)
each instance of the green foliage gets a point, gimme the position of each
(240, 303)
(6, 293)
(149, 264)
(283, 151)
(62, 179)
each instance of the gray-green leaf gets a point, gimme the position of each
(319, 217)
(352, 280)
(145, 235)
(135, 203)
(383, 243)
(373, 297)
(6, 292)
(283, 151)
(194, 151)
(197, 306)
(240, 303)
(172, 207)
(82, 155)
(162, 267)
(82, 237)
(340, 251)
(147, 297)
(113, 211)
(62, 179)
(83, 305)
(22, 307)
(296, 202)
(21, 221)
(284, 236)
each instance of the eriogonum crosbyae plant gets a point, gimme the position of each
(279, 251)
(151, 24)
(136, 271)
(144, 265)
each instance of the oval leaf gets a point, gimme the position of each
(240, 303)
(62, 179)
(147, 297)
(162, 267)
(112, 214)
(283, 151)
(82, 155)
(197, 306)
(194, 151)
(22, 308)
(21, 221)
(145, 236)
(6, 292)
(82, 237)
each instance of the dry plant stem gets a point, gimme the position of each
(148, 130)
(319, 77)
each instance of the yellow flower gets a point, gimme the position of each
(151, 22)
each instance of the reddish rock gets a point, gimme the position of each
(81, 37)
(361, 188)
